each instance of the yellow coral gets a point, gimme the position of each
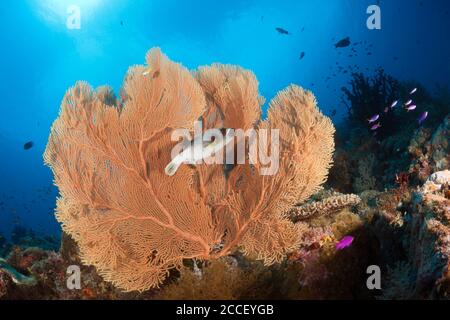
(133, 222)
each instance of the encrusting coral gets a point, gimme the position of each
(133, 222)
(332, 204)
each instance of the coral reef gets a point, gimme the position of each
(425, 247)
(16, 276)
(134, 223)
(404, 231)
(389, 193)
(372, 160)
(430, 151)
(49, 270)
(436, 182)
(5, 281)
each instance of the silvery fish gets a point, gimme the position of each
(374, 118)
(394, 103)
(197, 150)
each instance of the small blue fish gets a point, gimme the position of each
(422, 117)
(374, 118)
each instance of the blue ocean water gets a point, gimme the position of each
(41, 58)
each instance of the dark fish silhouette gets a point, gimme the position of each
(343, 43)
(333, 113)
(282, 31)
(28, 145)
(121, 23)
(302, 55)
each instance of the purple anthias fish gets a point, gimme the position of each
(408, 102)
(394, 103)
(375, 126)
(345, 242)
(413, 91)
(422, 117)
(411, 107)
(374, 118)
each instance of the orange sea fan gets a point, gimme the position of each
(132, 221)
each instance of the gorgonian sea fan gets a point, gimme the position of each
(132, 221)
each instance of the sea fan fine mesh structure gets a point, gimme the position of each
(132, 221)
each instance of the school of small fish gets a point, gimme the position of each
(374, 121)
(408, 106)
